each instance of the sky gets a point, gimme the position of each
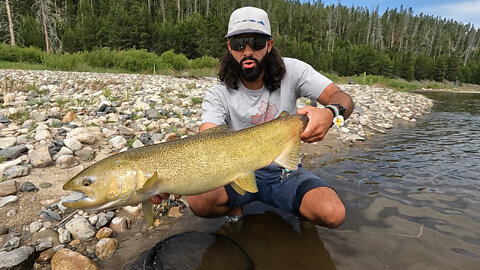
(463, 11)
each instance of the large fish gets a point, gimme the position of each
(189, 166)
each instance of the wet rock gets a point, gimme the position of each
(80, 228)
(119, 224)
(14, 151)
(46, 255)
(47, 235)
(175, 212)
(66, 259)
(104, 232)
(40, 158)
(8, 188)
(28, 187)
(8, 199)
(105, 248)
(15, 257)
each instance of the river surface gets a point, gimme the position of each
(412, 198)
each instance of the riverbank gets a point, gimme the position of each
(54, 124)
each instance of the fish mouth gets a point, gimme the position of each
(77, 199)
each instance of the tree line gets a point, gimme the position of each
(332, 38)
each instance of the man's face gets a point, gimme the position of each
(249, 50)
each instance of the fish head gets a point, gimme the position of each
(106, 184)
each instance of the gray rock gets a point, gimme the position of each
(16, 171)
(66, 161)
(7, 142)
(43, 245)
(40, 158)
(45, 185)
(118, 142)
(103, 219)
(80, 228)
(64, 235)
(4, 120)
(47, 235)
(28, 187)
(3, 230)
(152, 113)
(11, 244)
(73, 144)
(14, 257)
(8, 188)
(39, 117)
(35, 226)
(85, 154)
(8, 199)
(14, 151)
(43, 134)
(49, 215)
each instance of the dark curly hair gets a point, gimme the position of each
(274, 70)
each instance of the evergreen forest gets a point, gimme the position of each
(335, 39)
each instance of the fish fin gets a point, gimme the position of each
(284, 113)
(289, 158)
(148, 214)
(247, 183)
(238, 189)
(151, 185)
(217, 129)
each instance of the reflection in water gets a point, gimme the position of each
(273, 243)
(258, 241)
(412, 195)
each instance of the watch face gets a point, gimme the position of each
(340, 108)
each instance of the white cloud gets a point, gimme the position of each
(465, 11)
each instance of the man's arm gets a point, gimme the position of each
(320, 120)
(206, 126)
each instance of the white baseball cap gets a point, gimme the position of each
(248, 20)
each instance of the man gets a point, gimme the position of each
(257, 84)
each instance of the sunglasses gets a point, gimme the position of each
(256, 42)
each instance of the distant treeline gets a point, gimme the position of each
(334, 39)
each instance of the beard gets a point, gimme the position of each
(251, 74)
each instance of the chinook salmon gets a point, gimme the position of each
(189, 166)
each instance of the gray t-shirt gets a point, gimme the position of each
(242, 108)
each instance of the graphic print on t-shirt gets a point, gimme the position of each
(267, 113)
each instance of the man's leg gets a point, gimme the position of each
(213, 204)
(323, 207)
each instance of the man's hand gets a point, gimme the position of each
(319, 121)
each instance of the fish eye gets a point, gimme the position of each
(86, 182)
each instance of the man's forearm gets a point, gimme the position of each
(342, 98)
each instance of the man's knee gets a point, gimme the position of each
(209, 204)
(323, 207)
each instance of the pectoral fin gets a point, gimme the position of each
(147, 208)
(289, 158)
(151, 186)
(246, 183)
(238, 189)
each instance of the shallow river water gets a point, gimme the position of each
(412, 198)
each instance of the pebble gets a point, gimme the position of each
(66, 259)
(64, 235)
(35, 226)
(104, 232)
(15, 257)
(105, 248)
(11, 244)
(80, 228)
(175, 212)
(46, 255)
(8, 188)
(28, 187)
(8, 199)
(3, 230)
(119, 224)
(45, 185)
(49, 215)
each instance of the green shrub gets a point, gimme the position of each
(9, 53)
(136, 60)
(31, 55)
(63, 62)
(101, 58)
(204, 62)
(177, 61)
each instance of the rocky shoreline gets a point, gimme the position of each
(61, 122)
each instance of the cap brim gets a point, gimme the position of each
(247, 31)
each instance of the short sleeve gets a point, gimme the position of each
(214, 108)
(310, 83)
